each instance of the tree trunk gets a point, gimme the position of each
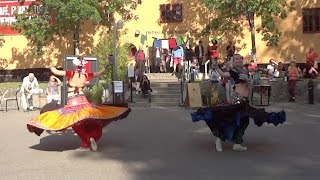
(253, 36)
(76, 40)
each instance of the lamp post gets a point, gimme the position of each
(117, 25)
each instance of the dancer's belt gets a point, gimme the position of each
(76, 95)
(236, 98)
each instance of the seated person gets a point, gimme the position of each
(214, 75)
(195, 68)
(310, 72)
(282, 69)
(53, 89)
(29, 87)
(145, 87)
(272, 70)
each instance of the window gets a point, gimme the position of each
(170, 13)
(311, 20)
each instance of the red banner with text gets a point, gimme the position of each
(7, 14)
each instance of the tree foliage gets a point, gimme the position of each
(61, 17)
(228, 12)
(105, 47)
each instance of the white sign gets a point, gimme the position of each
(118, 86)
(130, 70)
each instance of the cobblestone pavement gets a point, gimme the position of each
(164, 144)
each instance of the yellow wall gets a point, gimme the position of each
(16, 53)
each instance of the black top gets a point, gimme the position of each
(230, 50)
(235, 76)
(145, 86)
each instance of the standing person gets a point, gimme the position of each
(252, 65)
(163, 65)
(140, 61)
(254, 76)
(177, 56)
(199, 53)
(52, 89)
(157, 61)
(213, 51)
(85, 118)
(293, 74)
(231, 49)
(213, 54)
(272, 70)
(311, 60)
(29, 87)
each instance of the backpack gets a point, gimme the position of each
(140, 56)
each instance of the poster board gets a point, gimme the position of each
(118, 86)
(194, 95)
(130, 70)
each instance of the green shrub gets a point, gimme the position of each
(94, 94)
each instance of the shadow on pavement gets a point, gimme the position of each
(58, 142)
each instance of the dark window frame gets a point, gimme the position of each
(311, 23)
(171, 13)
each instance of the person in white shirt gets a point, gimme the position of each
(272, 70)
(29, 87)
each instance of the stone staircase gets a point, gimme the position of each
(166, 92)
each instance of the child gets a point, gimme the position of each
(195, 67)
(215, 76)
(293, 75)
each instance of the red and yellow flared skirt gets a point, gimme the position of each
(77, 110)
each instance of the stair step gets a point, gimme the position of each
(153, 104)
(158, 95)
(165, 85)
(165, 91)
(158, 99)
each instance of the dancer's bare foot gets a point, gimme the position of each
(93, 145)
(218, 145)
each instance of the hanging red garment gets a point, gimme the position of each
(172, 43)
(214, 51)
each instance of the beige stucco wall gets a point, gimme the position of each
(16, 53)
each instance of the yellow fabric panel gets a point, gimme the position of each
(53, 120)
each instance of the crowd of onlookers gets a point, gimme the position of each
(169, 60)
(274, 70)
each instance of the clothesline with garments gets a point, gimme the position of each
(167, 51)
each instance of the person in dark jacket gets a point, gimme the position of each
(145, 87)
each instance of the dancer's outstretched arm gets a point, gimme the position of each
(57, 72)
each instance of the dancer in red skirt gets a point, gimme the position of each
(85, 118)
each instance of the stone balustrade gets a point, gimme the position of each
(279, 90)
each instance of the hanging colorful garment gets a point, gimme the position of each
(180, 41)
(172, 43)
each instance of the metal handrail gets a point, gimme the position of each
(206, 69)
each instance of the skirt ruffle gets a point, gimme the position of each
(233, 112)
(62, 118)
(227, 118)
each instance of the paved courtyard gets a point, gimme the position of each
(164, 144)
